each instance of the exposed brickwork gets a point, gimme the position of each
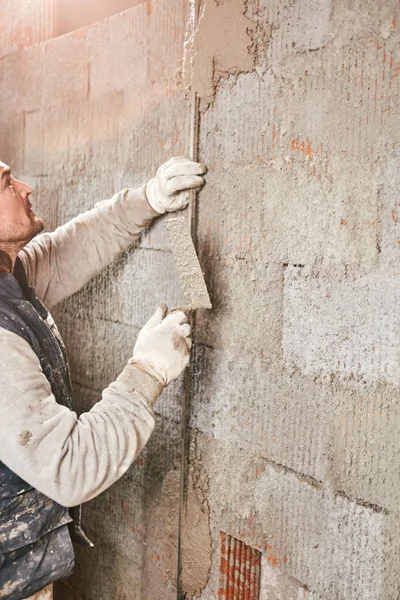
(240, 570)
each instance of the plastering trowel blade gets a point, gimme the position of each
(191, 278)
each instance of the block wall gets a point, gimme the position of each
(83, 116)
(24, 23)
(293, 443)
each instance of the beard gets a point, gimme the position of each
(22, 233)
(37, 226)
(36, 223)
(15, 237)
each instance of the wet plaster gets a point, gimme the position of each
(219, 46)
(191, 279)
(160, 569)
(162, 543)
(196, 533)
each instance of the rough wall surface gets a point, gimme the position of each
(25, 23)
(294, 444)
(83, 116)
(295, 408)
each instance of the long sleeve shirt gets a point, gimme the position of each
(68, 458)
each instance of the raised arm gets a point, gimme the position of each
(58, 264)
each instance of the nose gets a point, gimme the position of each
(23, 188)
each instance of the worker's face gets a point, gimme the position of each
(18, 222)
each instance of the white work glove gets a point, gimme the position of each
(169, 190)
(163, 345)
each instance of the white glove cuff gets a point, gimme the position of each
(153, 198)
(148, 368)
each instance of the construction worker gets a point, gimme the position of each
(51, 459)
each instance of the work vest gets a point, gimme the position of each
(35, 531)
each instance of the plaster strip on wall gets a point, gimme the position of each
(219, 46)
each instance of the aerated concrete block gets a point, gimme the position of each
(340, 548)
(366, 444)
(275, 585)
(349, 327)
(130, 290)
(280, 415)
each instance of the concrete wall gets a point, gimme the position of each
(24, 23)
(83, 116)
(294, 444)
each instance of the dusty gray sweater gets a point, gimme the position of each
(71, 459)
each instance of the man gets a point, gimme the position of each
(51, 460)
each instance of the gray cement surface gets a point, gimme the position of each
(193, 286)
(294, 420)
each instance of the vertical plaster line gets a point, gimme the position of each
(254, 582)
(228, 579)
(185, 435)
(229, 583)
(242, 585)
(241, 571)
(246, 595)
(225, 575)
(223, 565)
(238, 571)
(231, 572)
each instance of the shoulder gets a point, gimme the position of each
(16, 352)
(13, 325)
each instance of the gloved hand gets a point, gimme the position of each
(168, 191)
(163, 345)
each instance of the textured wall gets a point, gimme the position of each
(295, 408)
(83, 116)
(294, 444)
(24, 23)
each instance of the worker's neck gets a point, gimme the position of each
(8, 256)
